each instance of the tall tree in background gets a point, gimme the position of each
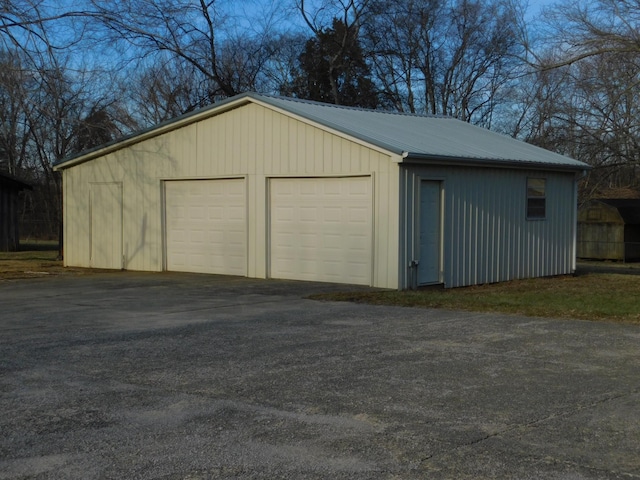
(202, 35)
(581, 29)
(448, 57)
(15, 82)
(161, 92)
(596, 44)
(25, 25)
(45, 115)
(50, 103)
(332, 69)
(281, 69)
(74, 74)
(590, 110)
(333, 66)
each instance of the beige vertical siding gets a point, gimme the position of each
(487, 237)
(251, 142)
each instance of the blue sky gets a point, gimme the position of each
(536, 5)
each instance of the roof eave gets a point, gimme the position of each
(408, 157)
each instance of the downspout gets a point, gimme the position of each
(413, 263)
(410, 224)
(408, 267)
(413, 266)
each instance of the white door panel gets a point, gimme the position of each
(321, 229)
(206, 227)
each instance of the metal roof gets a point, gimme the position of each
(412, 137)
(426, 137)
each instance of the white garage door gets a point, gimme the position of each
(321, 229)
(206, 227)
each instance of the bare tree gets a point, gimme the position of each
(450, 57)
(15, 134)
(603, 113)
(280, 69)
(36, 27)
(592, 50)
(198, 34)
(161, 92)
(49, 104)
(580, 29)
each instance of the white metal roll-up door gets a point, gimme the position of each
(321, 229)
(206, 227)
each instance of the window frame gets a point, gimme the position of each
(536, 198)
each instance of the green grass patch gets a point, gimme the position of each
(39, 245)
(32, 251)
(594, 296)
(44, 255)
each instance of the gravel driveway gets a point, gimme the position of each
(177, 376)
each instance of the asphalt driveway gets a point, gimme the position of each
(177, 376)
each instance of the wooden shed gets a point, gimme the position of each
(609, 229)
(10, 188)
(273, 187)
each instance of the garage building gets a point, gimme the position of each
(273, 187)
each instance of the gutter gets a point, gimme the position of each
(408, 157)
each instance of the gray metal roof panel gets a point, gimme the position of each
(423, 136)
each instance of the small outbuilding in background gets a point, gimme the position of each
(10, 187)
(609, 229)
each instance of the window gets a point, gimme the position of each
(536, 198)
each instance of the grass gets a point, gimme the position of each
(34, 259)
(593, 296)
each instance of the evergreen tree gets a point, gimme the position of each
(332, 69)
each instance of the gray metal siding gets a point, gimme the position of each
(487, 237)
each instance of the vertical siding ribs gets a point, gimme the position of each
(253, 142)
(487, 237)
